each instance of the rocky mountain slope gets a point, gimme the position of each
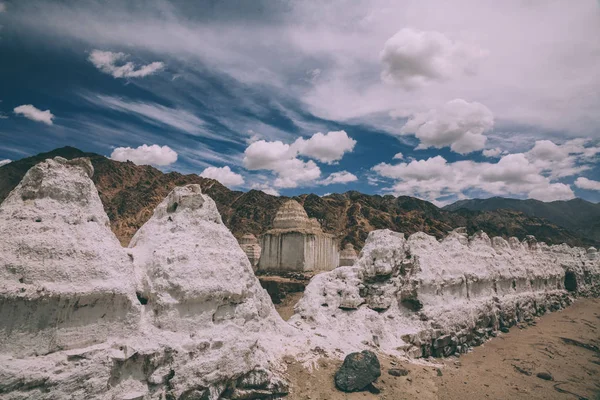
(130, 193)
(577, 215)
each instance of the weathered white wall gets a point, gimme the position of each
(296, 251)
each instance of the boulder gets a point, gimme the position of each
(358, 371)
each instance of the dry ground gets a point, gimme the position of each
(503, 368)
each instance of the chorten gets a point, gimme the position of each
(297, 243)
(348, 256)
(249, 243)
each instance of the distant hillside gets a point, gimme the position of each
(130, 192)
(577, 215)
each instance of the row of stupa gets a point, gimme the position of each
(296, 243)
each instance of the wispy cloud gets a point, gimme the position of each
(106, 61)
(157, 114)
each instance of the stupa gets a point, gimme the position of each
(297, 243)
(348, 256)
(249, 243)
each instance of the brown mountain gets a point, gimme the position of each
(130, 192)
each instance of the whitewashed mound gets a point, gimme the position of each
(179, 315)
(64, 278)
(197, 274)
(422, 297)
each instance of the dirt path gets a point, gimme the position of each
(504, 368)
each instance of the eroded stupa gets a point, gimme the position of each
(249, 243)
(65, 281)
(348, 256)
(297, 243)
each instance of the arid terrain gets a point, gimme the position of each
(506, 367)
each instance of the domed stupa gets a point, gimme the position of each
(348, 256)
(249, 243)
(297, 243)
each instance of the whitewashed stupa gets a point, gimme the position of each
(297, 243)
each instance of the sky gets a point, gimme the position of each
(439, 100)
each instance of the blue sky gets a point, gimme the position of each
(382, 97)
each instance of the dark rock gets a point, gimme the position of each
(442, 341)
(398, 371)
(545, 376)
(357, 371)
(504, 329)
(194, 394)
(373, 389)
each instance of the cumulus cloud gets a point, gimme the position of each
(4, 162)
(398, 156)
(413, 58)
(339, 177)
(492, 153)
(587, 184)
(282, 158)
(458, 124)
(106, 61)
(435, 178)
(552, 192)
(145, 155)
(562, 160)
(224, 175)
(266, 155)
(327, 148)
(35, 114)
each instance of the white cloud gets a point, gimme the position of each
(4, 162)
(295, 172)
(224, 175)
(326, 148)
(413, 58)
(343, 40)
(398, 156)
(106, 61)
(435, 179)
(567, 159)
(283, 159)
(145, 155)
(457, 124)
(35, 114)
(552, 192)
(266, 155)
(492, 153)
(587, 184)
(266, 188)
(339, 177)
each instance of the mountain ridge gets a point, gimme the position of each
(577, 215)
(130, 192)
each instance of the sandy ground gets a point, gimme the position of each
(286, 307)
(504, 368)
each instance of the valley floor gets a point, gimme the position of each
(504, 368)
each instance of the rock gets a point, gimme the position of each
(545, 376)
(358, 371)
(504, 329)
(398, 371)
(373, 389)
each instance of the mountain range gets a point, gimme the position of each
(130, 192)
(578, 215)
